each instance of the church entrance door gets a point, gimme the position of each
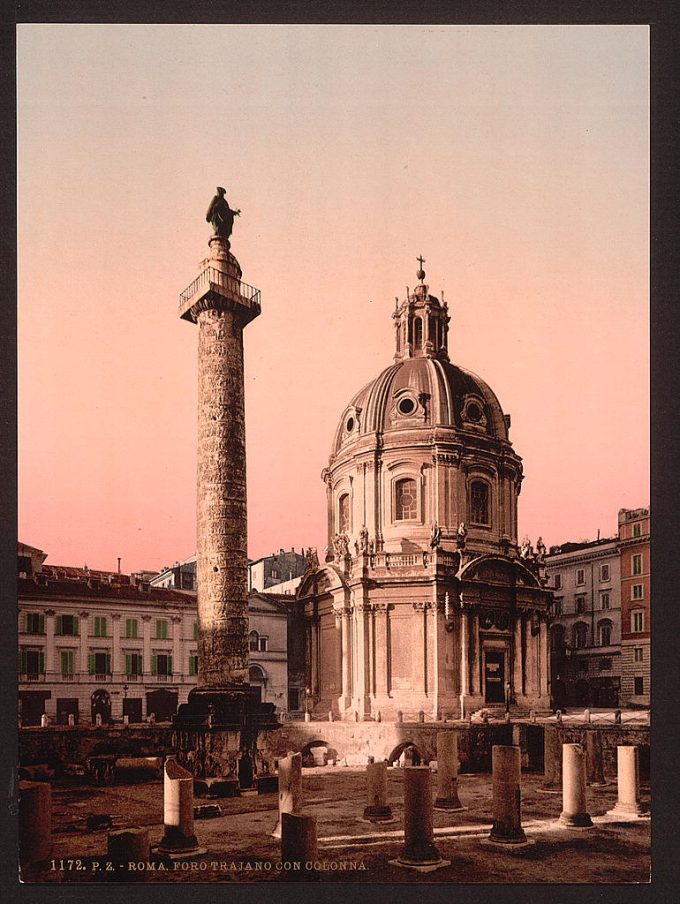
(494, 676)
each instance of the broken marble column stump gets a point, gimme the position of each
(594, 758)
(628, 784)
(35, 822)
(447, 772)
(131, 844)
(552, 759)
(574, 808)
(298, 838)
(290, 788)
(178, 838)
(419, 852)
(377, 809)
(507, 797)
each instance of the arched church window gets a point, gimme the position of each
(418, 332)
(580, 635)
(406, 493)
(432, 330)
(479, 502)
(343, 514)
(605, 633)
(253, 638)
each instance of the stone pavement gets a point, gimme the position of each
(240, 847)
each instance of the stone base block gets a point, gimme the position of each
(420, 867)
(448, 804)
(378, 814)
(576, 820)
(507, 847)
(379, 822)
(624, 813)
(179, 855)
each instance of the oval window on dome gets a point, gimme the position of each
(473, 412)
(406, 406)
(349, 424)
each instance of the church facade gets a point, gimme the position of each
(425, 602)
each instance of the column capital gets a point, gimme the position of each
(115, 616)
(381, 608)
(84, 614)
(175, 619)
(146, 618)
(50, 612)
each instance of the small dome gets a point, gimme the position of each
(422, 392)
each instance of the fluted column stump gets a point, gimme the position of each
(507, 832)
(552, 760)
(290, 788)
(178, 839)
(419, 852)
(574, 808)
(594, 758)
(377, 809)
(628, 804)
(447, 772)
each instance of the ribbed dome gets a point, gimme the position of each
(422, 392)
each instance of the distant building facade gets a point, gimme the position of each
(585, 630)
(103, 642)
(282, 571)
(634, 547)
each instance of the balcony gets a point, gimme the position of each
(214, 282)
(32, 676)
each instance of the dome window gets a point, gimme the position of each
(349, 424)
(406, 499)
(343, 514)
(474, 412)
(406, 405)
(479, 502)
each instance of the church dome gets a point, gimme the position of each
(423, 392)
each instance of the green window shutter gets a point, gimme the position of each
(41, 662)
(58, 625)
(128, 664)
(108, 663)
(154, 664)
(63, 663)
(169, 665)
(91, 663)
(195, 630)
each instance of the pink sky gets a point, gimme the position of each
(515, 159)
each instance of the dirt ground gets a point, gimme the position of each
(239, 846)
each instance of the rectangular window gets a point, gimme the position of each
(161, 664)
(133, 664)
(637, 622)
(636, 592)
(639, 686)
(580, 604)
(558, 582)
(637, 563)
(639, 654)
(557, 606)
(637, 530)
(604, 599)
(195, 630)
(66, 663)
(604, 572)
(99, 664)
(580, 576)
(131, 627)
(605, 665)
(100, 626)
(67, 625)
(35, 623)
(262, 646)
(32, 663)
(161, 629)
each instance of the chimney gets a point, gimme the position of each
(118, 564)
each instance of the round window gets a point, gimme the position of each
(349, 426)
(473, 412)
(406, 406)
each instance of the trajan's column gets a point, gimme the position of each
(221, 305)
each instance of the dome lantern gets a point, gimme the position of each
(421, 323)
